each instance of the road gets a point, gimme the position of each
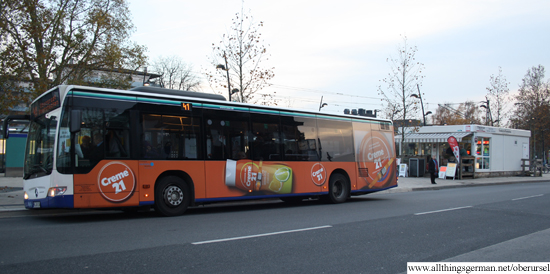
(369, 234)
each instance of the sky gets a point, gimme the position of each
(338, 50)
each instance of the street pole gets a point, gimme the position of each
(321, 104)
(227, 70)
(144, 74)
(488, 115)
(421, 104)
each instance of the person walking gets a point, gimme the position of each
(432, 169)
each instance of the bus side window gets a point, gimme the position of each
(170, 137)
(299, 136)
(336, 141)
(117, 144)
(266, 142)
(226, 135)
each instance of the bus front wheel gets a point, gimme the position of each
(338, 190)
(172, 196)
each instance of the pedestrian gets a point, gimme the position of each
(433, 168)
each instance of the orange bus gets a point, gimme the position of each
(152, 147)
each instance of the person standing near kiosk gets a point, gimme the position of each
(433, 168)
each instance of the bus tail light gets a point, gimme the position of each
(56, 191)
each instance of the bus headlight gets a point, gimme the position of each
(25, 196)
(56, 191)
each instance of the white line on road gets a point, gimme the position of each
(442, 210)
(260, 235)
(527, 197)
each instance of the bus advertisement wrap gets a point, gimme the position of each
(248, 176)
(159, 148)
(375, 155)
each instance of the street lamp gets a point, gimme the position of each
(428, 113)
(145, 83)
(419, 96)
(321, 104)
(226, 68)
(488, 116)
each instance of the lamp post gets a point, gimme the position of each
(419, 96)
(226, 68)
(321, 104)
(428, 113)
(488, 115)
(145, 83)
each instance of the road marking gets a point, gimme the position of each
(260, 235)
(442, 210)
(527, 197)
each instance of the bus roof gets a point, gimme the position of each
(158, 90)
(214, 99)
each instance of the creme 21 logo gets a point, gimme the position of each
(116, 181)
(318, 174)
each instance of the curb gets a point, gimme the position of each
(441, 187)
(478, 184)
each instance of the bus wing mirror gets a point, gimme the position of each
(5, 124)
(76, 120)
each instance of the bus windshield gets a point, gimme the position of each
(40, 147)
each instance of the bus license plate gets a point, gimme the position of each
(36, 205)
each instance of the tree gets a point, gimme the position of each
(533, 107)
(243, 51)
(404, 80)
(498, 96)
(466, 113)
(176, 74)
(471, 112)
(44, 43)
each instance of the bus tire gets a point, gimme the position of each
(338, 189)
(172, 196)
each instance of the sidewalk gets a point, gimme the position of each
(11, 188)
(11, 193)
(406, 184)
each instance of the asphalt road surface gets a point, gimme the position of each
(369, 234)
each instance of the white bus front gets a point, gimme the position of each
(44, 187)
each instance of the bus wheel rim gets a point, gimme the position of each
(173, 195)
(337, 189)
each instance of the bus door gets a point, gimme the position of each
(301, 153)
(227, 153)
(274, 176)
(105, 175)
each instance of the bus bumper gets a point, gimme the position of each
(65, 201)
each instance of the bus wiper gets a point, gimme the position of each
(48, 172)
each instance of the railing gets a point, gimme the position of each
(534, 167)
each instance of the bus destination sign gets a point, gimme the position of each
(45, 104)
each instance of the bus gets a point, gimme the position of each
(149, 147)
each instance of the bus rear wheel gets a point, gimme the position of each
(338, 190)
(172, 196)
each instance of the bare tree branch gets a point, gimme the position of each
(401, 83)
(244, 51)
